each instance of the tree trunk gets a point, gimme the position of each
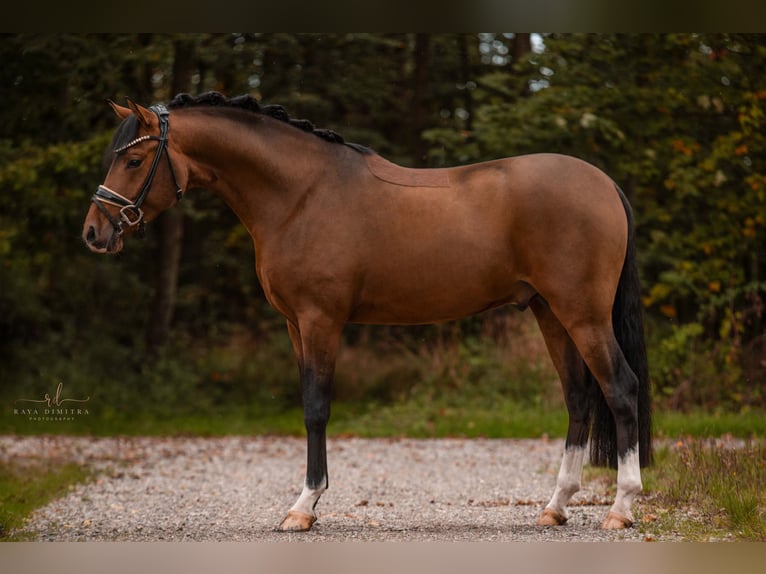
(465, 71)
(420, 95)
(522, 45)
(170, 223)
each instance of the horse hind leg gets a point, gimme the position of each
(619, 386)
(579, 389)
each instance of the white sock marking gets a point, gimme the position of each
(628, 483)
(568, 481)
(308, 499)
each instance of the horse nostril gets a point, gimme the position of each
(90, 237)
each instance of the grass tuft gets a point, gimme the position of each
(26, 487)
(710, 489)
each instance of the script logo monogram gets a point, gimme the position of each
(55, 400)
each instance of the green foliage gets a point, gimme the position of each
(50, 283)
(55, 86)
(690, 370)
(478, 368)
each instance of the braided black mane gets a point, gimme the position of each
(248, 103)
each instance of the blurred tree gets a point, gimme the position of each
(421, 101)
(171, 223)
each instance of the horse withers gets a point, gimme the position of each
(341, 235)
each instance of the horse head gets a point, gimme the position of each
(123, 204)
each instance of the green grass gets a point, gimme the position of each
(24, 488)
(750, 423)
(703, 490)
(417, 420)
(364, 420)
(414, 418)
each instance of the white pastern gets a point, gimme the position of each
(568, 481)
(628, 483)
(308, 499)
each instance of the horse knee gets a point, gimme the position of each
(316, 415)
(316, 401)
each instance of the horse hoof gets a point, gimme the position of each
(297, 522)
(616, 522)
(550, 517)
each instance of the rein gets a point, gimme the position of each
(131, 214)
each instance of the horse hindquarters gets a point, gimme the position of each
(627, 322)
(609, 340)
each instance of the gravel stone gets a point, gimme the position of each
(239, 489)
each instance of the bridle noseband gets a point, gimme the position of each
(131, 214)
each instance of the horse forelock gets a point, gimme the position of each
(124, 134)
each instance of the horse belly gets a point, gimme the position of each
(434, 288)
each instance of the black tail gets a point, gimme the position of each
(628, 323)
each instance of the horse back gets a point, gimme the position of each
(390, 172)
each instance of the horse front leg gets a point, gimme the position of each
(316, 346)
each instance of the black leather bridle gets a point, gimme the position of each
(131, 214)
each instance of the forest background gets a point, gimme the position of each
(174, 334)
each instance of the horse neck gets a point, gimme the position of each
(261, 168)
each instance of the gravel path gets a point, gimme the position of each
(239, 488)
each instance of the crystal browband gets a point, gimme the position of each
(134, 142)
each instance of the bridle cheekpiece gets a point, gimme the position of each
(131, 214)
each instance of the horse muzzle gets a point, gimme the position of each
(101, 239)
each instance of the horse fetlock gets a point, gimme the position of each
(629, 477)
(568, 487)
(631, 487)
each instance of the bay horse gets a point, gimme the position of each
(342, 236)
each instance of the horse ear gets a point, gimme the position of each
(144, 116)
(121, 112)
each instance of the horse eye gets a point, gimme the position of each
(134, 162)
